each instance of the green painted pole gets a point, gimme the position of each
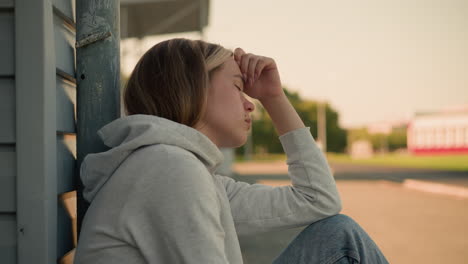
(98, 78)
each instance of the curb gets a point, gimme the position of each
(437, 188)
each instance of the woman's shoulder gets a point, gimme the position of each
(165, 151)
(169, 159)
(169, 168)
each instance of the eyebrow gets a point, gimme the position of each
(239, 76)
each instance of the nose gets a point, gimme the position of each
(248, 105)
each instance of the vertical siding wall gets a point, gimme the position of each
(8, 240)
(64, 39)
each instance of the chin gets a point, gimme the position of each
(242, 140)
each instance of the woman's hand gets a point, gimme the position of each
(261, 77)
(262, 82)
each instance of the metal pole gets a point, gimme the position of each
(322, 125)
(98, 78)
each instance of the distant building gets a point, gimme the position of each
(442, 132)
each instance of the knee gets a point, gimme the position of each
(330, 232)
(340, 219)
(335, 224)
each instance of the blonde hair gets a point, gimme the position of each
(171, 80)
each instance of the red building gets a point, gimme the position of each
(443, 132)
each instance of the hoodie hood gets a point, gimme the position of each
(126, 134)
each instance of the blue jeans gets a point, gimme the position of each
(336, 239)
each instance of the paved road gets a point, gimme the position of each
(279, 170)
(409, 226)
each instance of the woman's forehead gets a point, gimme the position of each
(230, 67)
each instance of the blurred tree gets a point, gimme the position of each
(379, 142)
(356, 134)
(397, 139)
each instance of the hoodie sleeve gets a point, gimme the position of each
(258, 208)
(173, 216)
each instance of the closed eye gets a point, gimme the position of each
(238, 88)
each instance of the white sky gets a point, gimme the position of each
(372, 60)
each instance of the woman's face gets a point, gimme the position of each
(227, 118)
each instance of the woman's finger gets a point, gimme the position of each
(264, 62)
(244, 64)
(251, 68)
(259, 67)
(238, 52)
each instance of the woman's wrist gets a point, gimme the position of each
(282, 113)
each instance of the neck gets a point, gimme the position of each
(204, 129)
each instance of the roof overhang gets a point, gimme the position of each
(141, 18)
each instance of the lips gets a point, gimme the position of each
(249, 121)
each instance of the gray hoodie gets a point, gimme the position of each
(156, 197)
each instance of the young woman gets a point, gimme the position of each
(156, 196)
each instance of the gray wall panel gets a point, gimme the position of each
(8, 239)
(65, 115)
(67, 7)
(7, 110)
(66, 102)
(64, 40)
(7, 179)
(66, 160)
(64, 231)
(6, 3)
(36, 138)
(7, 43)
